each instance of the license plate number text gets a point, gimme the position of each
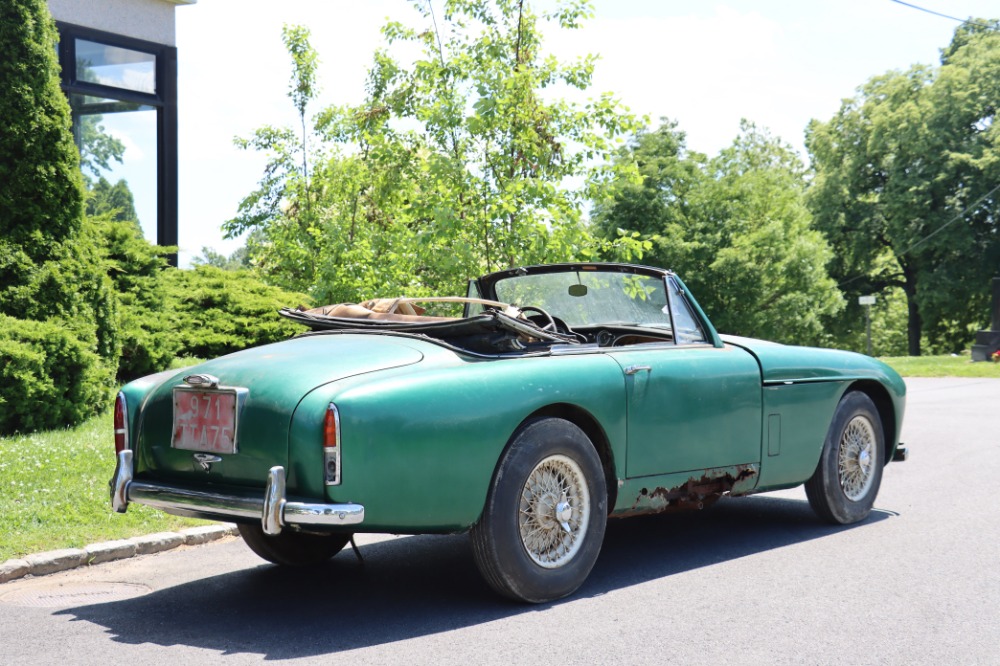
(205, 421)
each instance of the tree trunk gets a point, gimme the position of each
(914, 322)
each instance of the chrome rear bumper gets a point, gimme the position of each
(273, 510)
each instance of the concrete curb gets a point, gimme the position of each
(41, 564)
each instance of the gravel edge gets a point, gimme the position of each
(54, 561)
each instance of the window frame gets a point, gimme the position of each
(164, 102)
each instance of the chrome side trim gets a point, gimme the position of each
(273, 509)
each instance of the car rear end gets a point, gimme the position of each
(245, 437)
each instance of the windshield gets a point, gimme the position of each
(591, 298)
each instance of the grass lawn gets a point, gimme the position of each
(54, 492)
(941, 366)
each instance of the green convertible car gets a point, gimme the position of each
(558, 396)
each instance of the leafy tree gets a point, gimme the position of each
(97, 147)
(302, 88)
(735, 227)
(457, 163)
(905, 188)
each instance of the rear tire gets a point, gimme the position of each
(292, 549)
(843, 488)
(543, 523)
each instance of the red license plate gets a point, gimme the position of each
(204, 421)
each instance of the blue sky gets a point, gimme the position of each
(704, 64)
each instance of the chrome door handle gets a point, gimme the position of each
(636, 369)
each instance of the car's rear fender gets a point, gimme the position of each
(586, 422)
(419, 448)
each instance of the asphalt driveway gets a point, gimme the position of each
(755, 580)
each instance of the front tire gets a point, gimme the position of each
(543, 523)
(292, 549)
(843, 488)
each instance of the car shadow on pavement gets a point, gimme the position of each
(424, 585)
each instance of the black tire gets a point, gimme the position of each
(538, 544)
(292, 549)
(843, 488)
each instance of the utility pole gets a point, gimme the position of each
(868, 302)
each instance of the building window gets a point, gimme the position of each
(123, 95)
(115, 66)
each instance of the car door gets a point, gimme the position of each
(691, 405)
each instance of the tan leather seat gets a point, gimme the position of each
(378, 309)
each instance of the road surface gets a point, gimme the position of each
(753, 580)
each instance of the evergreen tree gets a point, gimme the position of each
(50, 263)
(41, 188)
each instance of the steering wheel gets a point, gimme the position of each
(550, 324)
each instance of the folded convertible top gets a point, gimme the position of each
(479, 330)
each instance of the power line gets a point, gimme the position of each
(926, 238)
(953, 18)
(948, 223)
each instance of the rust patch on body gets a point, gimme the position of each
(695, 493)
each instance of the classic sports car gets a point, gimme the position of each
(563, 396)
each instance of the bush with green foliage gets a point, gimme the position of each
(70, 287)
(214, 311)
(135, 268)
(48, 378)
(165, 312)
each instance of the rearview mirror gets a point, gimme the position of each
(578, 290)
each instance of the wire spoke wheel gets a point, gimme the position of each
(843, 488)
(554, 511)
(856, 463)
(543, 523)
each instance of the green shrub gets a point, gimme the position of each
(41, 187)
(135, 267)
(58, 312)
(217, 311)
(49, 378)
(71, 287)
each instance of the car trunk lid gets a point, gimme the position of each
(268, 383)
